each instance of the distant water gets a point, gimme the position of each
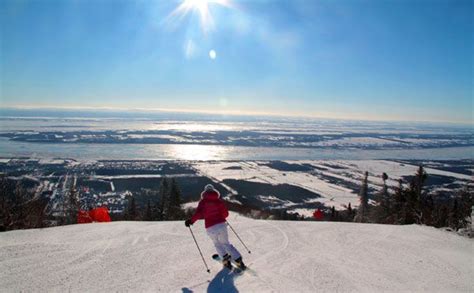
(215, 152)
(62, 122)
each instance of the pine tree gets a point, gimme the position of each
(400, 202)
(382, 213)
(362, 211)
(175, 212)
(4, 204)
(131, 214)
(148, 212)
(414, 212)
(156, 212)
(410, 204)
(454, 219)
(72, 206)
(350, 213)
(155, 205)
(164, 195)
(428, 206)
(421, 177)
(466, 202)
(19, 207)
(385, 194)
(333, 216)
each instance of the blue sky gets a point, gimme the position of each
(374, 60)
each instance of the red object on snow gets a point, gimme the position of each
(83, 217)
(100, 215)
(96, 215)
(211, 208)
(318, 215)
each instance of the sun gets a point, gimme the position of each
(201, 7)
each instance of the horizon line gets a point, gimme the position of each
(221, 112)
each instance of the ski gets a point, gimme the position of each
(235, 268)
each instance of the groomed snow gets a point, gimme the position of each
(286, 257)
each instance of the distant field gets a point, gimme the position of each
(294, 186)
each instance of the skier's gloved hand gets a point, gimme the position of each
(188, 222)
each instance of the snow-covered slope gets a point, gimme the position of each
(286, 257)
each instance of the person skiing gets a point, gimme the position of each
(213, 210)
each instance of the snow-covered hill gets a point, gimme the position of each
(286, 257)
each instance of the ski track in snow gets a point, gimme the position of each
(286, 257)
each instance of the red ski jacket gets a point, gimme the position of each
(211, 208)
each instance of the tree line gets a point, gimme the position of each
(163, 204)
(409, 204)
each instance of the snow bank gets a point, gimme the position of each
(286, 257)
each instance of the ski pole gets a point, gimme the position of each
(248, 250)
(199, 250)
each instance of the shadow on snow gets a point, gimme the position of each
(222, 282)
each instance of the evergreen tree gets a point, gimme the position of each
(175, 212)
(164, 195)
(148, 212)
(72, 206)
(131, 214)
(411, 203)
(349, 213)
(362, 211)
(385, 195)
(414, 211)
(428, 206)
(454, 217)
(19, 207)
(155, 205)
(334, 214)
(382, 213)
(156, 212)
(441, 214)
(399, 204)
(466, 202)
(4, 204)
(420, 177)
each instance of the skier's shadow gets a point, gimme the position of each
(223, 282)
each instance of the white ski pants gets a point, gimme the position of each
(218, 234)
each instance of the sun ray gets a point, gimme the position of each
(201, 7)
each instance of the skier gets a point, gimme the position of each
(214, 212)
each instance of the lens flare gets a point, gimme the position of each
(212, 54)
